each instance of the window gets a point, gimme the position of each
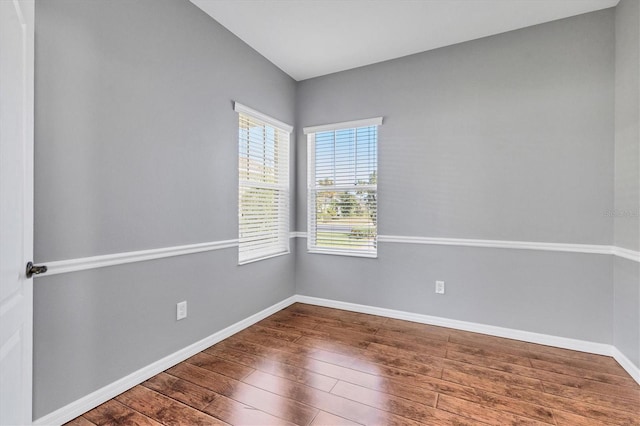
(263, 199)
(342, 192)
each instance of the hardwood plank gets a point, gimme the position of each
(493, 375)
(302, 322)
(411, 386)
(489, 345)
(569, 419)
(485, 339)
(219, 365)
(223, 350)
(346, 337)
(604, 400)
(397, 340)
(403, 390)
(483, 392)
(543, 352)
(589, 385)
(492, 363)
(219, 406)
(251, 354)
(506, 404)
(249, 336)
(287, 371)
(268, 402)
(181, 390)
(338, 314)
(361, 325)
(554, 402)
(390, 357)
(612, 415)
(327, 344)
(326, 419)
(79, 421)
(299, 324)
(383, 360)
(584, 373)
(280, 354)
(487, 353)
(324, 401)
(271, 333)
(201, 377)
(305, 347)
(436, 347)
(482, 383)
(417, 329)
(237, 413)
(375, 365)
(343, 373)
(481, 413)
(410, 409)
(395, 381)
(114, 413)
(163, 409)
(591, 362)
(433, 346)
(379, 399)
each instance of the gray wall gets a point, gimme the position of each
(508, 137)
(561, 294)
(626, 308)
(136, 148)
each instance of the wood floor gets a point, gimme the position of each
(308, 365)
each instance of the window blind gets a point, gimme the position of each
(343, 189)
(263, 213)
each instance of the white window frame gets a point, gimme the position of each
(281, 246)
(312, 188)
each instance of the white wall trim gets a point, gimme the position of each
(526, 245)
(626, 253)
(83, 263)
(93, 262)
(520, 245)
(630, 367)
(88, 402)
(509, 333)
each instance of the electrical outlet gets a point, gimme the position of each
(181, 310)
(440, 287)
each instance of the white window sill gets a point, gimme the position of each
(343, 253)
(257, 259)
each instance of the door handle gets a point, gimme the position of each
(35, 269)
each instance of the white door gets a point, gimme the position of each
(16, 209)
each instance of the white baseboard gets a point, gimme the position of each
(509, 333)
(630, 367)
(86, 403)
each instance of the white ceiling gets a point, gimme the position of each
(310, 38)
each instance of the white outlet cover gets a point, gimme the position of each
(181, 310)
(440, 287)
